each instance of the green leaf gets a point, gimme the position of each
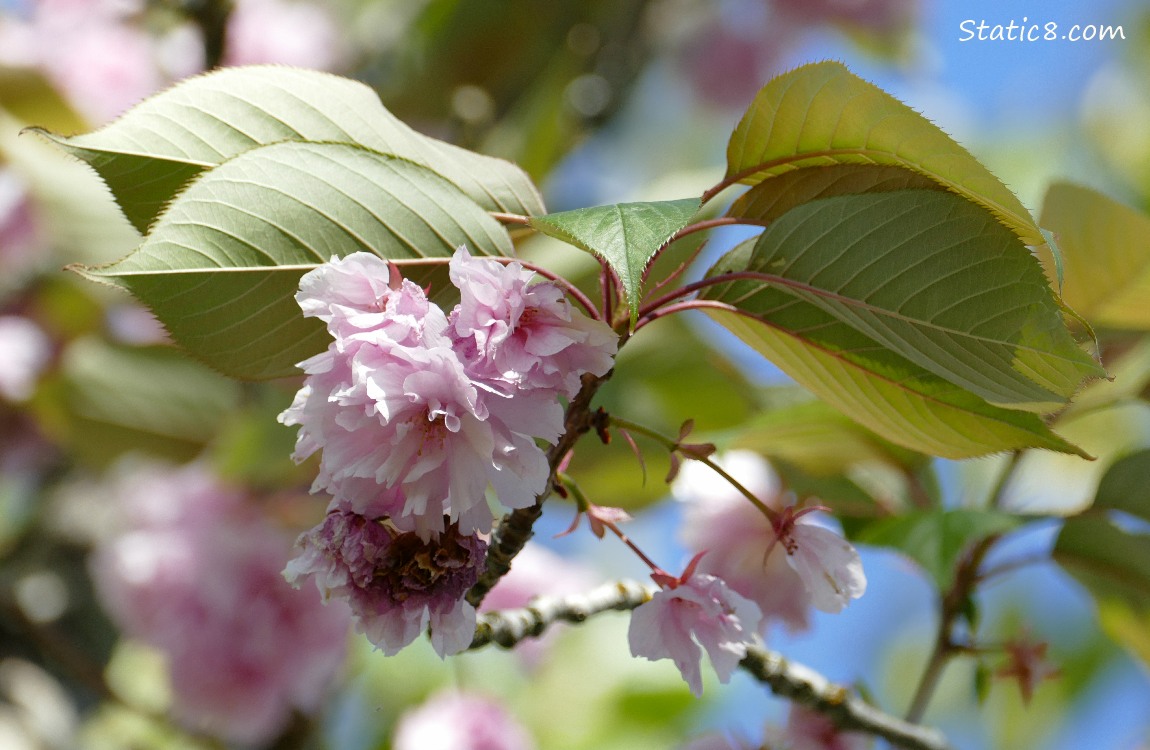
(1126, 486)
(1105, 253)
(822, 114)
(1112, 562)
(222, 264)
(936, 539)
(625, 235)
(871, 384)
(148, 154)
(772, 198)
(935, 279)
(110, 400)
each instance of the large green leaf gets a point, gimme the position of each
(936, 539)
(1112, 562)
(868, 382)
(1105, 255)
(221, 265)
(933, 278)
(822, 114)
(625, 235)
(147, 155)
(772, 198)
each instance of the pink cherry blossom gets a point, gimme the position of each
(458, 721)
(717, 741)
(828, 565)
(786, 567)
(737, 536)
(396, 583)
(809, 730)
(93, 52)
(284, 32)
(25, 351)
(408, 424)
(196, 574)
(526, 336)
(695, 611)
(21, 239)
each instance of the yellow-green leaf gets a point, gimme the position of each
(1105, 255)
(822, 114)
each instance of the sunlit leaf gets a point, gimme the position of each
(221, 266)
(933, 278)
(822, 114)
(1105, 254)
(888, 394)
(147, 155)
(936, 539)
(625, 235)
(815, 314)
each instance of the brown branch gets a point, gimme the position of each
(785, 678)
(517, 527)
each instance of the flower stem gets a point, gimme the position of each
(673, 445)
(953, 604)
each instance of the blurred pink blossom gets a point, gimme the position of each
(717, 741)
(25, 351)
(396, 583)
(809, 730)
(285, 32)
(737, 536)
(786, 570)
(21, 240)
(537, 571)
(692, 611)
(828, 565)
(457, 721)
(95, 52)
(196, 574)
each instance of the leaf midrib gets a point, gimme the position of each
(859, 304)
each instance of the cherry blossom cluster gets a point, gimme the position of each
(417, 413)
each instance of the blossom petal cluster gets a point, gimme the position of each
(195, 572)
(695, 613)
(416, 414)
(460, 721)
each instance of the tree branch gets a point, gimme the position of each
(785, 678)
(517, 527)
(510, 626)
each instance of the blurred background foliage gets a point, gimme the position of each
(600, 101)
